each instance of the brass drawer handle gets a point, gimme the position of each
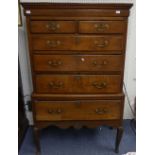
(95, 63)
(102, 44)
(101, 27)
(101, 111)
(53, 43)
(50, 111)
(99, 85)
(59, 111)
(55, 63)
(56, 85)
(55, 111)
(52, 26)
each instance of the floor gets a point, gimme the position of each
(99, 141)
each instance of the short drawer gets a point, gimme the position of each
(78, 43)
(78, 110)
(78, 63)
(101, 27)
(53, 27)
(78, 83)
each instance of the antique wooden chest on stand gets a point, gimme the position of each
(77, 56)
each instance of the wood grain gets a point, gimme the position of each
(51, 26)
(78, 42)
(78, 84)
(79, 63)
(77, 56)
(78, 110)
(101, 27)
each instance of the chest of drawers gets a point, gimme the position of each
(77, 55)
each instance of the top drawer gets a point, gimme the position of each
(53, 26)
(101, 27)
(98, 27)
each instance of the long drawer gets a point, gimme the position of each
(78, 83)
(78, 62)
(79, 42)
(78, 110)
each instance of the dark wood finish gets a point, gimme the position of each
(68, 52)
(118, 138)
(78, 110)
(57, 97)
(77, 55)
(36, 138)
(78, 42)
(100, 27)
(77, 6)
(78, 124)
(78, 63)
(81, 18)
(78, 12)
(78, 84)
(53, 26)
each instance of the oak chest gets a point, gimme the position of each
(77, 55)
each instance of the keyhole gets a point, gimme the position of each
(77, 40)
(77, 77)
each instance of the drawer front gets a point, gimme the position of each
(53, 27)
(78, 62)
(101, 27)
(70, 42)
(78, 83)
(78, 110)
